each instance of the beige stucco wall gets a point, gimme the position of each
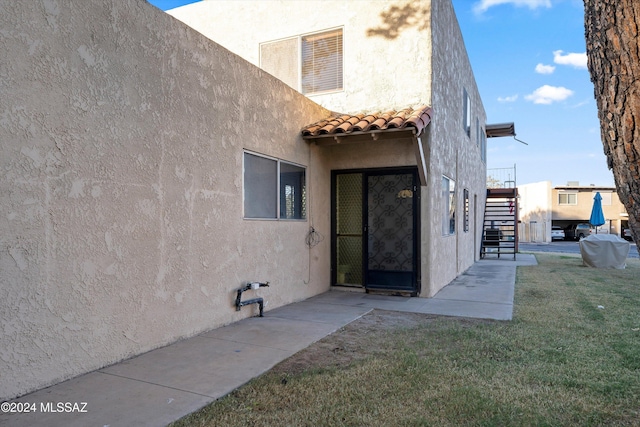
(373, 43)
(539, 210)
(614, 212)
(121, 230)
(452, 153)
(397, 54)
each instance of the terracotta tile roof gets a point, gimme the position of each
(344, 124)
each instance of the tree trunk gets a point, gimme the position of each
(613, 53)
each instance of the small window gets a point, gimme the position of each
(260, 183)
(483, 145)
(606, 197)
(449, 196)
(466, 209)
(565, 198)
(292, 191)
(466, 107)
(271, 182)
(281, 58)
(322, 62)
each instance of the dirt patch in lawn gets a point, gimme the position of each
(367, 336)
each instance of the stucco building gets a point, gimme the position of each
(358, 58)
(572, 203)
(543, 206)
(148, 172)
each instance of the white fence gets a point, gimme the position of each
(532, 232)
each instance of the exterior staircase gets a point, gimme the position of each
(500, 230)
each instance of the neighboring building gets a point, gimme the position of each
(542, 207)
(148, 173)
(358, 58)
(572, 204)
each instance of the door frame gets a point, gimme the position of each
(416, 224)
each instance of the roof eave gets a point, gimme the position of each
(351, 137)
(500, 129)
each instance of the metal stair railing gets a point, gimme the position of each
(500, 233)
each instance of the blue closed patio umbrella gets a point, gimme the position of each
(597, 216)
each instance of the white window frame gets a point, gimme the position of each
(467, 209)
(567, 202)
(483, 145)
(297, 80)
(301, 39)
(277, 214)
(449, 198)
(466, 114)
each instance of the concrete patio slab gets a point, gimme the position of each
(222, 365)
(110, 401)
(163, 385)
(317, 310)
(273, 332)
(473, 309)
(485, 283)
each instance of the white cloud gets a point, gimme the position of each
(484, 5)
(549, 94)
(577, 60)
(512, 98)
(545, 69)
(581, 104)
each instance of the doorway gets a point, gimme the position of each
(375, 229)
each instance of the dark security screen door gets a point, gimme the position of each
(390, 232)
(375, 227)
(348, 230)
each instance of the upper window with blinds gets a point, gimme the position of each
(322, 62)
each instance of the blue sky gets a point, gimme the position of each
(528, 57)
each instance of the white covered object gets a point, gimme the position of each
(604, 251)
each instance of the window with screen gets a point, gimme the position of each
(292, 191)
(565, 198)
(260, 184)
(466, 112)
(483, 145)
(449, 196)
(273, 189)
(466, 209)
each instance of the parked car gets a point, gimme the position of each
(626, 235)
(557, 233)
(578, 231)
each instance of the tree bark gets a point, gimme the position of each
(613, 54)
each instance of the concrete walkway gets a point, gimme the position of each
(163, 385)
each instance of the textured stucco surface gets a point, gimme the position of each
(540, 209)
(452, 153)
(614, 211)
(396, 54)
(386, 66)
(121, 230)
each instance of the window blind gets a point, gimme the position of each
(322, 62)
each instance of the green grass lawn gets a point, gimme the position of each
(570, 357)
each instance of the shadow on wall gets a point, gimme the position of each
(401, 16)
